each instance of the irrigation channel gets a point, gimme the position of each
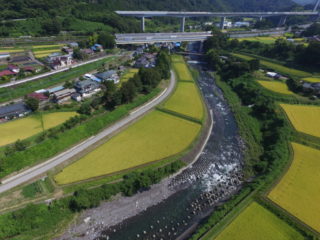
(214, 177)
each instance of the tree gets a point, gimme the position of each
(32, 104)
(77, 54)
(128, 91)
(85, 109)
(20, 145)
(106, 40)
(254, 64)
(51, 26)
(213, 59)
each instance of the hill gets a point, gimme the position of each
(47, 17)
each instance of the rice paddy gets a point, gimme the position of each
(26, 127)
(304, 118)
(275, 86)
(276, 67)
(266, 40)
(186, 100)
(256, 222)
(156, 136)
(298, 192)
(181, 68)
(312, 79)
(45, 53)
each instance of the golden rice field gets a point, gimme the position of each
(48, 46)
(304, 118)
(10, 50)
(276, 67)
(298, 192)
(276, 86)
(257, 223)
(186, 100)
(312, 79)
(266, 40)
(156, 136)
(26, 127)
(44, 53)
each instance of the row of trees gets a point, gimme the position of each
(41, 218)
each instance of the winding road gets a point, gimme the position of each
(44, 167)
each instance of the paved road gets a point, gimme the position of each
(51, 73)
(42, 168)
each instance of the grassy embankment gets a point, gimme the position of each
(159, 135)
(32, 125)
(7, 94)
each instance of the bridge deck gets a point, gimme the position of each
(212, 14)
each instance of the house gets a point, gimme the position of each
(63, 95)
(6, 73)
(40, 96)
(61, 62)
(273, 75)
(97, 48)
(92, 77)
(4, 56)
(14, 68)
(311, 87)
(110, 75)
(55, 89)
(73, 45)
(13, 111)
(87, 51)
(76, 96)
(68, 50)
(241, 24)
(87, 87)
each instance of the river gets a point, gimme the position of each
(209, 181)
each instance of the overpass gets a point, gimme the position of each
(141, 38)
(223, 15)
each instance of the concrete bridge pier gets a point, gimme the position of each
(316, 6)
(143, 24)
(222, 22)
(282, 21)
(183, 23)
(261, 18)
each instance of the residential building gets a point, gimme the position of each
(61, 62)
(311, 87)
(14, 68)
(40, 96)
(110, 75)
(87, 88)
(63, 95)
(76, 96)
(6, 73)
(73, 45)
(55, 89)
(241, 24)
(13, 111)
(97, 48)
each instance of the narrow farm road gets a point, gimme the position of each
(42, 168)
(10, 84)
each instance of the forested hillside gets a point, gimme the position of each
(47, 17)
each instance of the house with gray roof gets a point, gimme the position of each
(87, 87)
(110, 75)
(13, 111)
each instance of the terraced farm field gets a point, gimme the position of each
(276, 86)
(156, 136)
(186, 100)
(312, 79)
(298, 192)
(29, 126)
(276, 67)
(304, 118)
(256, 222)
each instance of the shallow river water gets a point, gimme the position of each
(213, 178)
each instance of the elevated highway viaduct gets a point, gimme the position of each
(223, 15)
